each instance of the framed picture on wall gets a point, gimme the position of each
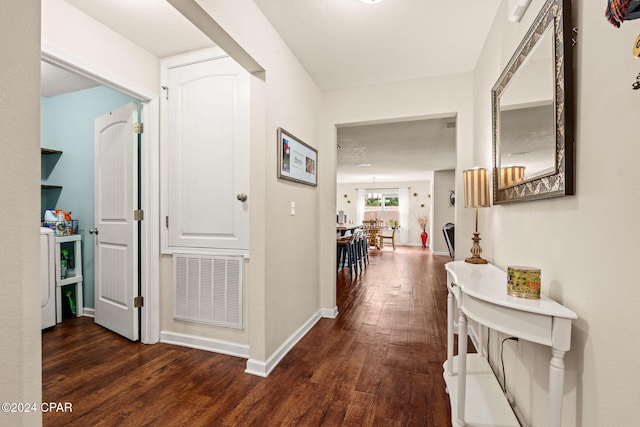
(297, 161)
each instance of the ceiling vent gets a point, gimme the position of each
(516, 9)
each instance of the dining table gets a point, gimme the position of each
(343, 228)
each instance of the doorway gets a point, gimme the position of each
(69, 105)
(117, 92)
(395, 165)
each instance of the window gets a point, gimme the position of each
(382, 206)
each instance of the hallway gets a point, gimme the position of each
(379, 363)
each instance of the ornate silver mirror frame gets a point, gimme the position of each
(559, 179)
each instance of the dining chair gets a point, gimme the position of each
(373, 233)
(449, 233)
(391, 237)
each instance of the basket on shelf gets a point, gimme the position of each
(62, 228)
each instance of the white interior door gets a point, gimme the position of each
(115, 231)
(208, 155)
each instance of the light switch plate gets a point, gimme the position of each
(293, 208)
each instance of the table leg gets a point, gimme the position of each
(556, 387)
(462, 368)
(450, 308)
(79, 300)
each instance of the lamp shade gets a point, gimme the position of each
(476, 188)
(511, 175)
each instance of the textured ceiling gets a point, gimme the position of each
(403, 151)
(56, 81)
(343, 44)
(153, 25)
(347, 43)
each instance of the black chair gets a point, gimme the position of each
(448, 231)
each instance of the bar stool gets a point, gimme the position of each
(346, 254)
(357, 249)
(363, 247)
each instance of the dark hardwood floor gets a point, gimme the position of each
(379, 363)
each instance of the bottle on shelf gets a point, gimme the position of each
(64, 263)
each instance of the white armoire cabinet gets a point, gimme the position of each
(205, 154)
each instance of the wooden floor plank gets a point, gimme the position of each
(379, 363)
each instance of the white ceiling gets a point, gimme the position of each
(348, 43)
(153, 25)
(401, 151)
(343, 44)
(56, 81)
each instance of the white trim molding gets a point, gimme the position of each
(150, 259)
(89, 312)
(208, 344)
(263, 369)
(441, 253)
(244, 253)
(414, 245)
(76, 65)
(329, 313)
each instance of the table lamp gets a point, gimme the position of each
(476, 195)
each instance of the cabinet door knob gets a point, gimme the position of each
(93, 231)
(242, 197)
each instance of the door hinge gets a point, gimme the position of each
(138, 302)
(138, 128)
(138, 215)
(166, 221)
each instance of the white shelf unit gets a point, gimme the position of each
(485, 403)
(76, 279)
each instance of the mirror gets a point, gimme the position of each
(532, 112)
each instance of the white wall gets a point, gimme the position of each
(20, 353)
(586, 245)
(443, 212)
(348, 204)
(283, 291)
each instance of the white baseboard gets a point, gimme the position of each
(414, 245)
(258, 368)
(441, 253)
(208, 344)
(89, 312)
(262, 368)
(329, 313)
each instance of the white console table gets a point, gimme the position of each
(480, 294)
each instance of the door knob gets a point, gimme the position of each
(242, 197)
(93, 231)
